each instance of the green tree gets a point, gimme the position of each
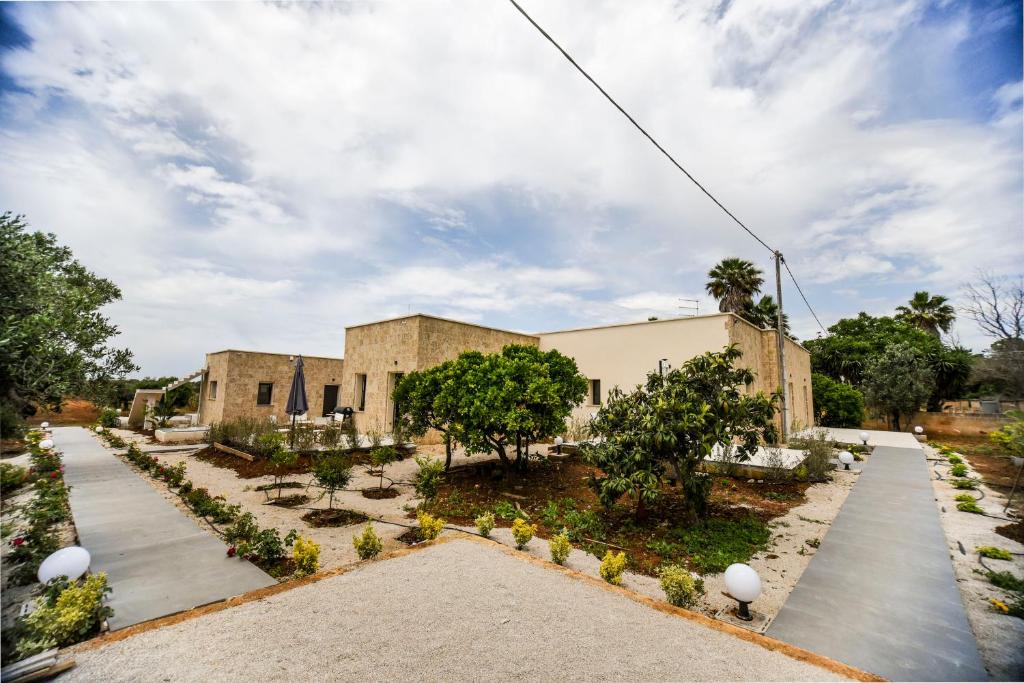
(765, 313)
(676, 421)
(734, 282)
(836, 404)
(416, 396)
(1011, 436)
(928, 313)
(332, 472)
(53, 339)
(498, 401)
(898, 382)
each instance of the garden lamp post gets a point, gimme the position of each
(46, 444)
(558, 444)
(864, 438)
(744, 586)
(919, 430)
(71, 562)
(846, 457)
(45, 425)
(99, 429)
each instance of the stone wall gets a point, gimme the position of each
(239, 373)
(938, 424)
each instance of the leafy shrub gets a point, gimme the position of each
(484, 524)
(714, 544)
(994, 553)
(12, 424)
(836, 404)
(428, 478)
(964, 483)
(970, 506)
(243, 529)
(12, 477)
(965, 498)
(70, 616)
(332, 471)
(955, 460)
(109, 418)
(612, 567)
(306, 554)
(430, 526)
(367, 544)
(1007, 581)
(583, 524)
(560, 547)
(958, 470)
(506, 510)
(254, 544)
(205, 505)
(245, 434)
(680, 586)
(817, 448)
(522, 532)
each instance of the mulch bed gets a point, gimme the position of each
(378, 493)
(289, 501)
(264, 468)
(469, 490)
(410, 537)
(1014, 532)
(284, 485)
(335, 517)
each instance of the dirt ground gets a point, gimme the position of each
(74, 411)
(999, 636)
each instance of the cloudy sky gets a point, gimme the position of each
(258, 176)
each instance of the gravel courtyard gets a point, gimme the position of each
(456, 611)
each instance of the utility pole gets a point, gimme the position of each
(786, 398)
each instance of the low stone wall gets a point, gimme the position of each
(946, 423)
(182, 435)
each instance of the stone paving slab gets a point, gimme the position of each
(158, 560)
(880, 593)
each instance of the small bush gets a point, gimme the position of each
(522, 532)
(306, 554)
(560, 548)
(430, 526)
(109, 417)
(12, 477)
(993, 552)
(428, 478)
(612, 567)
(964, 483)
(680, 586)
(368, 543)
(959, 470)
(970, 506)
(955, 460)
(1006, 581)
(67, 617)
(382, 456)
(333, 472)
(965, 498)
(484, 524)
(12, 424)
(506, 510)
(817, 450)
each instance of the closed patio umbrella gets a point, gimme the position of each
(297, 403)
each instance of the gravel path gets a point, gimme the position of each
(456, 611)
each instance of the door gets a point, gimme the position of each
(330, 398)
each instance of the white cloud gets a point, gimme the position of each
(317, 165)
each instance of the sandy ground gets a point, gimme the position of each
(1000, 637)
(780, 566)
(456, 611)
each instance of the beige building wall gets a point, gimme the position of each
(379, 353)
(238, 375)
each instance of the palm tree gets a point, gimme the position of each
(929, 313)
(734, 282)
(765, 313)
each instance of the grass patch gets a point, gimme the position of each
(970, 506)
(994, 552)
(964, 483)
(1006, 581)
(714, 544)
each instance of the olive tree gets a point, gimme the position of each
(674, 422)
(898, 382)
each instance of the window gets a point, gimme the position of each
(213, 390)
(360, 392)
(595, 392)
(264, 393)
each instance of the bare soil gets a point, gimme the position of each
(380, 494)
(73, 411)
(264, 468)
(335, 517)
(469, 491)
(289, 501)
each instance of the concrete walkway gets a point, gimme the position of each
(880, 593)
(157, 559)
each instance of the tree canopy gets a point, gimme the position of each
(836, 404)
(931, 314)
(676, 421)
(734, 282)
(898, 381)
(493, 402)
(53, 338)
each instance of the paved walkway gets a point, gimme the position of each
(157, 559)
(880, 593)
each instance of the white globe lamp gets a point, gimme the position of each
(864, 438)
(44, 425)
(846, 457)
(919, 429)
(71, 562)
(46, 444)
(558, 444)
(99, 429)
(744, 586)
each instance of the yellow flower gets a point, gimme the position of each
(999, 606)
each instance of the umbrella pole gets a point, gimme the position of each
(292, 446)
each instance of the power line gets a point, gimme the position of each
(665, 152)
(638, 126)
(806, 302)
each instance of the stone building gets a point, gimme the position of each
(253, 384)
(378, 354)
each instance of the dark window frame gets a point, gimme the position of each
(361, 382)
(270, 393)
(595, 392)
(213, 390)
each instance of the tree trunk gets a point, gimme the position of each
(641, 511)
(896, 420)
(447, 452)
